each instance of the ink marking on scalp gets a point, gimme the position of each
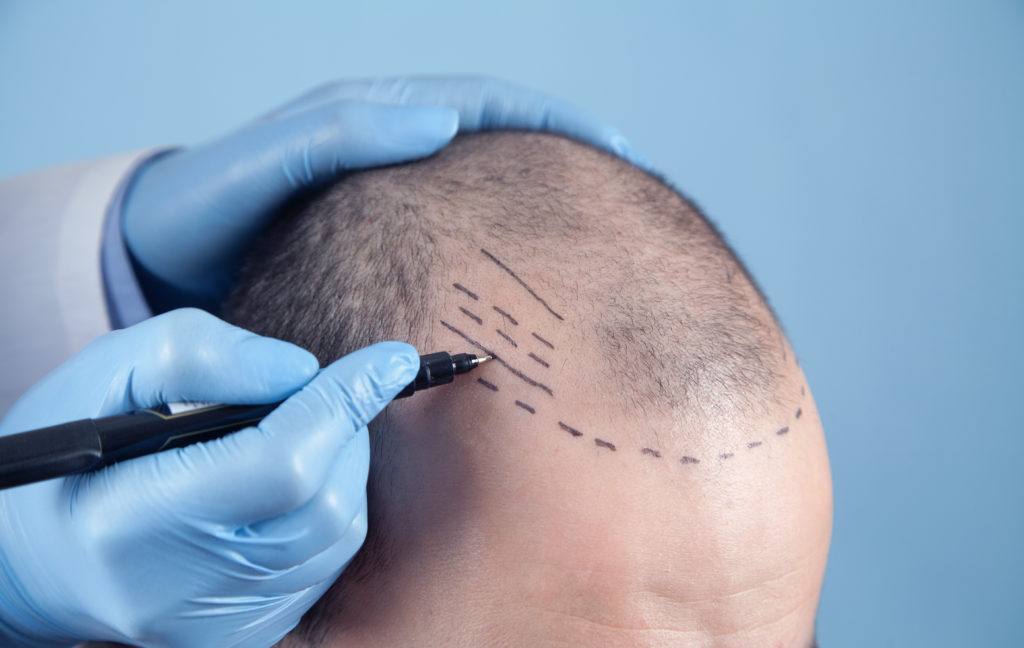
(650, 451)
(471, 316)
(458, 286)
(799, 411)
(601, 443)
(689, 460)
(571, 430)
(533, 357)
(526, 407)
(754, 444)
(521, 282)
(727, 455)
(505, 315)
(515, 372)
(507, 338)
(782, 431)
(488, 385)
(801, 390)
(543, 341)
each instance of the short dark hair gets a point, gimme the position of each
(363, 261)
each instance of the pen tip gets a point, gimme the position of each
(481, 360)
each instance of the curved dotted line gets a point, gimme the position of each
(646, 451)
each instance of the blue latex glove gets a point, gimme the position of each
(189, 216)
(224, 543)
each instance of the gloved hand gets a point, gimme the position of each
(223, 543)
(189, 216)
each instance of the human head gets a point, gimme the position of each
(643, 464)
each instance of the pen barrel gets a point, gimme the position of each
(435, 369)
(49, 452)
(144, 432)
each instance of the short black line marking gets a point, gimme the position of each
(799, 411)
(526, 407)
(488, 385)
(754, 444)
(534, 357)
(782, 431)
(571, 430)
(652, 452)
(543, 341)
(727, 455)
(521, 282)
(471, 316)
(689, 460)
(505, 315)
(458, 286)
(802, 390)
(515, 372)
(507, 338)
(601, 443)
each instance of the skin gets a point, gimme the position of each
(507, 530)
(503, 529)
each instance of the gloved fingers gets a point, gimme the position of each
(267, 625)
(233, 187)
(278, 467)
(317, 571)
(335, 515)
(482, 104)
(183, 355)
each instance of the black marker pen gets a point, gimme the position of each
(89, 444)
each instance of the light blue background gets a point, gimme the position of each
(866, 160)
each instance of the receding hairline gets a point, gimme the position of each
(710, 334)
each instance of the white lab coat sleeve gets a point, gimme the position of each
(51, 287)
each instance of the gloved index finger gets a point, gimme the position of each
(482, 103)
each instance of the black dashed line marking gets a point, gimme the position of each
(754, 444)
(515, 372)
(505, 315)
(727, 455)
(601, 443)
(689, 460)
(488, 385)
(470, 315)
(652, 452)
(799, 411)
(507, 338)
(526, 407)
(543, 341)
(521, 282)
(782, 431)
(571, 430)
(542, 362)
(458, 286)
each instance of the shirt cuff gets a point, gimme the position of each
(126, 303)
